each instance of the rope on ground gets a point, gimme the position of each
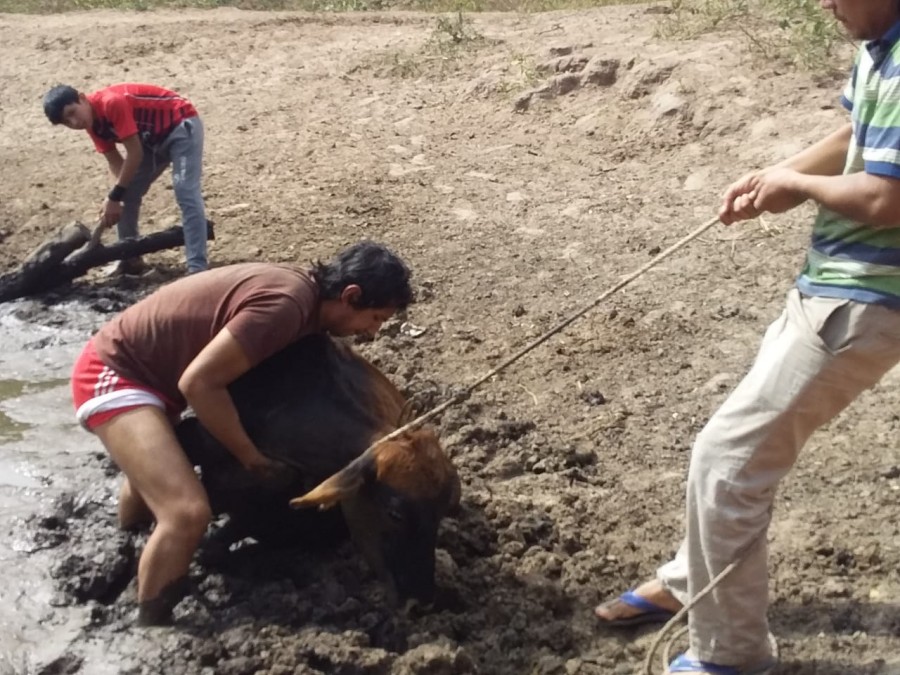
(672, 631)
(681, 243)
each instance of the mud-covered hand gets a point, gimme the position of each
(110, 212)
(270, 471)
(256, 463)
(262, 465)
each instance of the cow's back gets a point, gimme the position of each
(315, 406)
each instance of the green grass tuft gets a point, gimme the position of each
(797, 32)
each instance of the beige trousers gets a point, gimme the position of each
(818, 356)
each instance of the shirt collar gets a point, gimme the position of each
(881, 47)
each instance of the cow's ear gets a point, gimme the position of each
(342, 484)
(407, 414)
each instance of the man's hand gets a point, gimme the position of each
(777, 190)
(257, 463)
(736, 202)
(773, 190)
(270, 471)
(110, 213)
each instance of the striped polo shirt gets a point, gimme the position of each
(849, 259)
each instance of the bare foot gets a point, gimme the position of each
(615, 611)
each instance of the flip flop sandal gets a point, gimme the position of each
(650, 611)
(687, 664)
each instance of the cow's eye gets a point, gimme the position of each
(395, 510)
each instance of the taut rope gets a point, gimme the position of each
(461, 396)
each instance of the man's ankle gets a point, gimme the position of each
(158, 611)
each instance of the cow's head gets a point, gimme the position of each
(393, 498)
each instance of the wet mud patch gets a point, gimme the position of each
(315, 607)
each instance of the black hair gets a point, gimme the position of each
(56, 100)
(380, 273)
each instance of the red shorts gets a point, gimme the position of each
(100, 393)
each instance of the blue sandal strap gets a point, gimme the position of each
(685, 664)
(632, 599)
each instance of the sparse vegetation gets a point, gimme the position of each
(793, 31)
(452, 36)
(453, 31)
(527, 69)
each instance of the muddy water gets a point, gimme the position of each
(41, 448)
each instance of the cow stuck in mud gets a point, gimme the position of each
(316, 407)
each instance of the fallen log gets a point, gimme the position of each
(53, 263)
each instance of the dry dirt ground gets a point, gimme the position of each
(521, 174)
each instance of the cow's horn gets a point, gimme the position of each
(407, 414)
(333, 489)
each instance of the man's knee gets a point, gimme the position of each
(188, 519)
(707, 448)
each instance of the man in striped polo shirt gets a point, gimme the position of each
(157, 128)
(839, 333)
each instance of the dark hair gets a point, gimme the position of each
(380, 273)
(57, 99)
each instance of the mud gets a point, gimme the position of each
(521, 172)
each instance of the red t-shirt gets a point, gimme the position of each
(265, 307)
(123, 110)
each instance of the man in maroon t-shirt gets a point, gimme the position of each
(183, 345)
(157, 128)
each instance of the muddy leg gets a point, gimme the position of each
(142, 442)
(158, 611)
(133, 510)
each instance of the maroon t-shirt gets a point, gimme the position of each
(265, 306)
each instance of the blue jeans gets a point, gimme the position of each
(183, 150)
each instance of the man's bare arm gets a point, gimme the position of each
(863, 197)
(825, 157)
(134, 155)
(204, 385)
(115, 160)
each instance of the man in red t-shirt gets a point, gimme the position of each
(183, 345)
(157, 128)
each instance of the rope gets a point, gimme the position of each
(672, 625)
(461, 396)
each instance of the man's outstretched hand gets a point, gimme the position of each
(773, 190)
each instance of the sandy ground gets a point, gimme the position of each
(521, 174)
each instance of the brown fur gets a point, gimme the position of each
(414, 464)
